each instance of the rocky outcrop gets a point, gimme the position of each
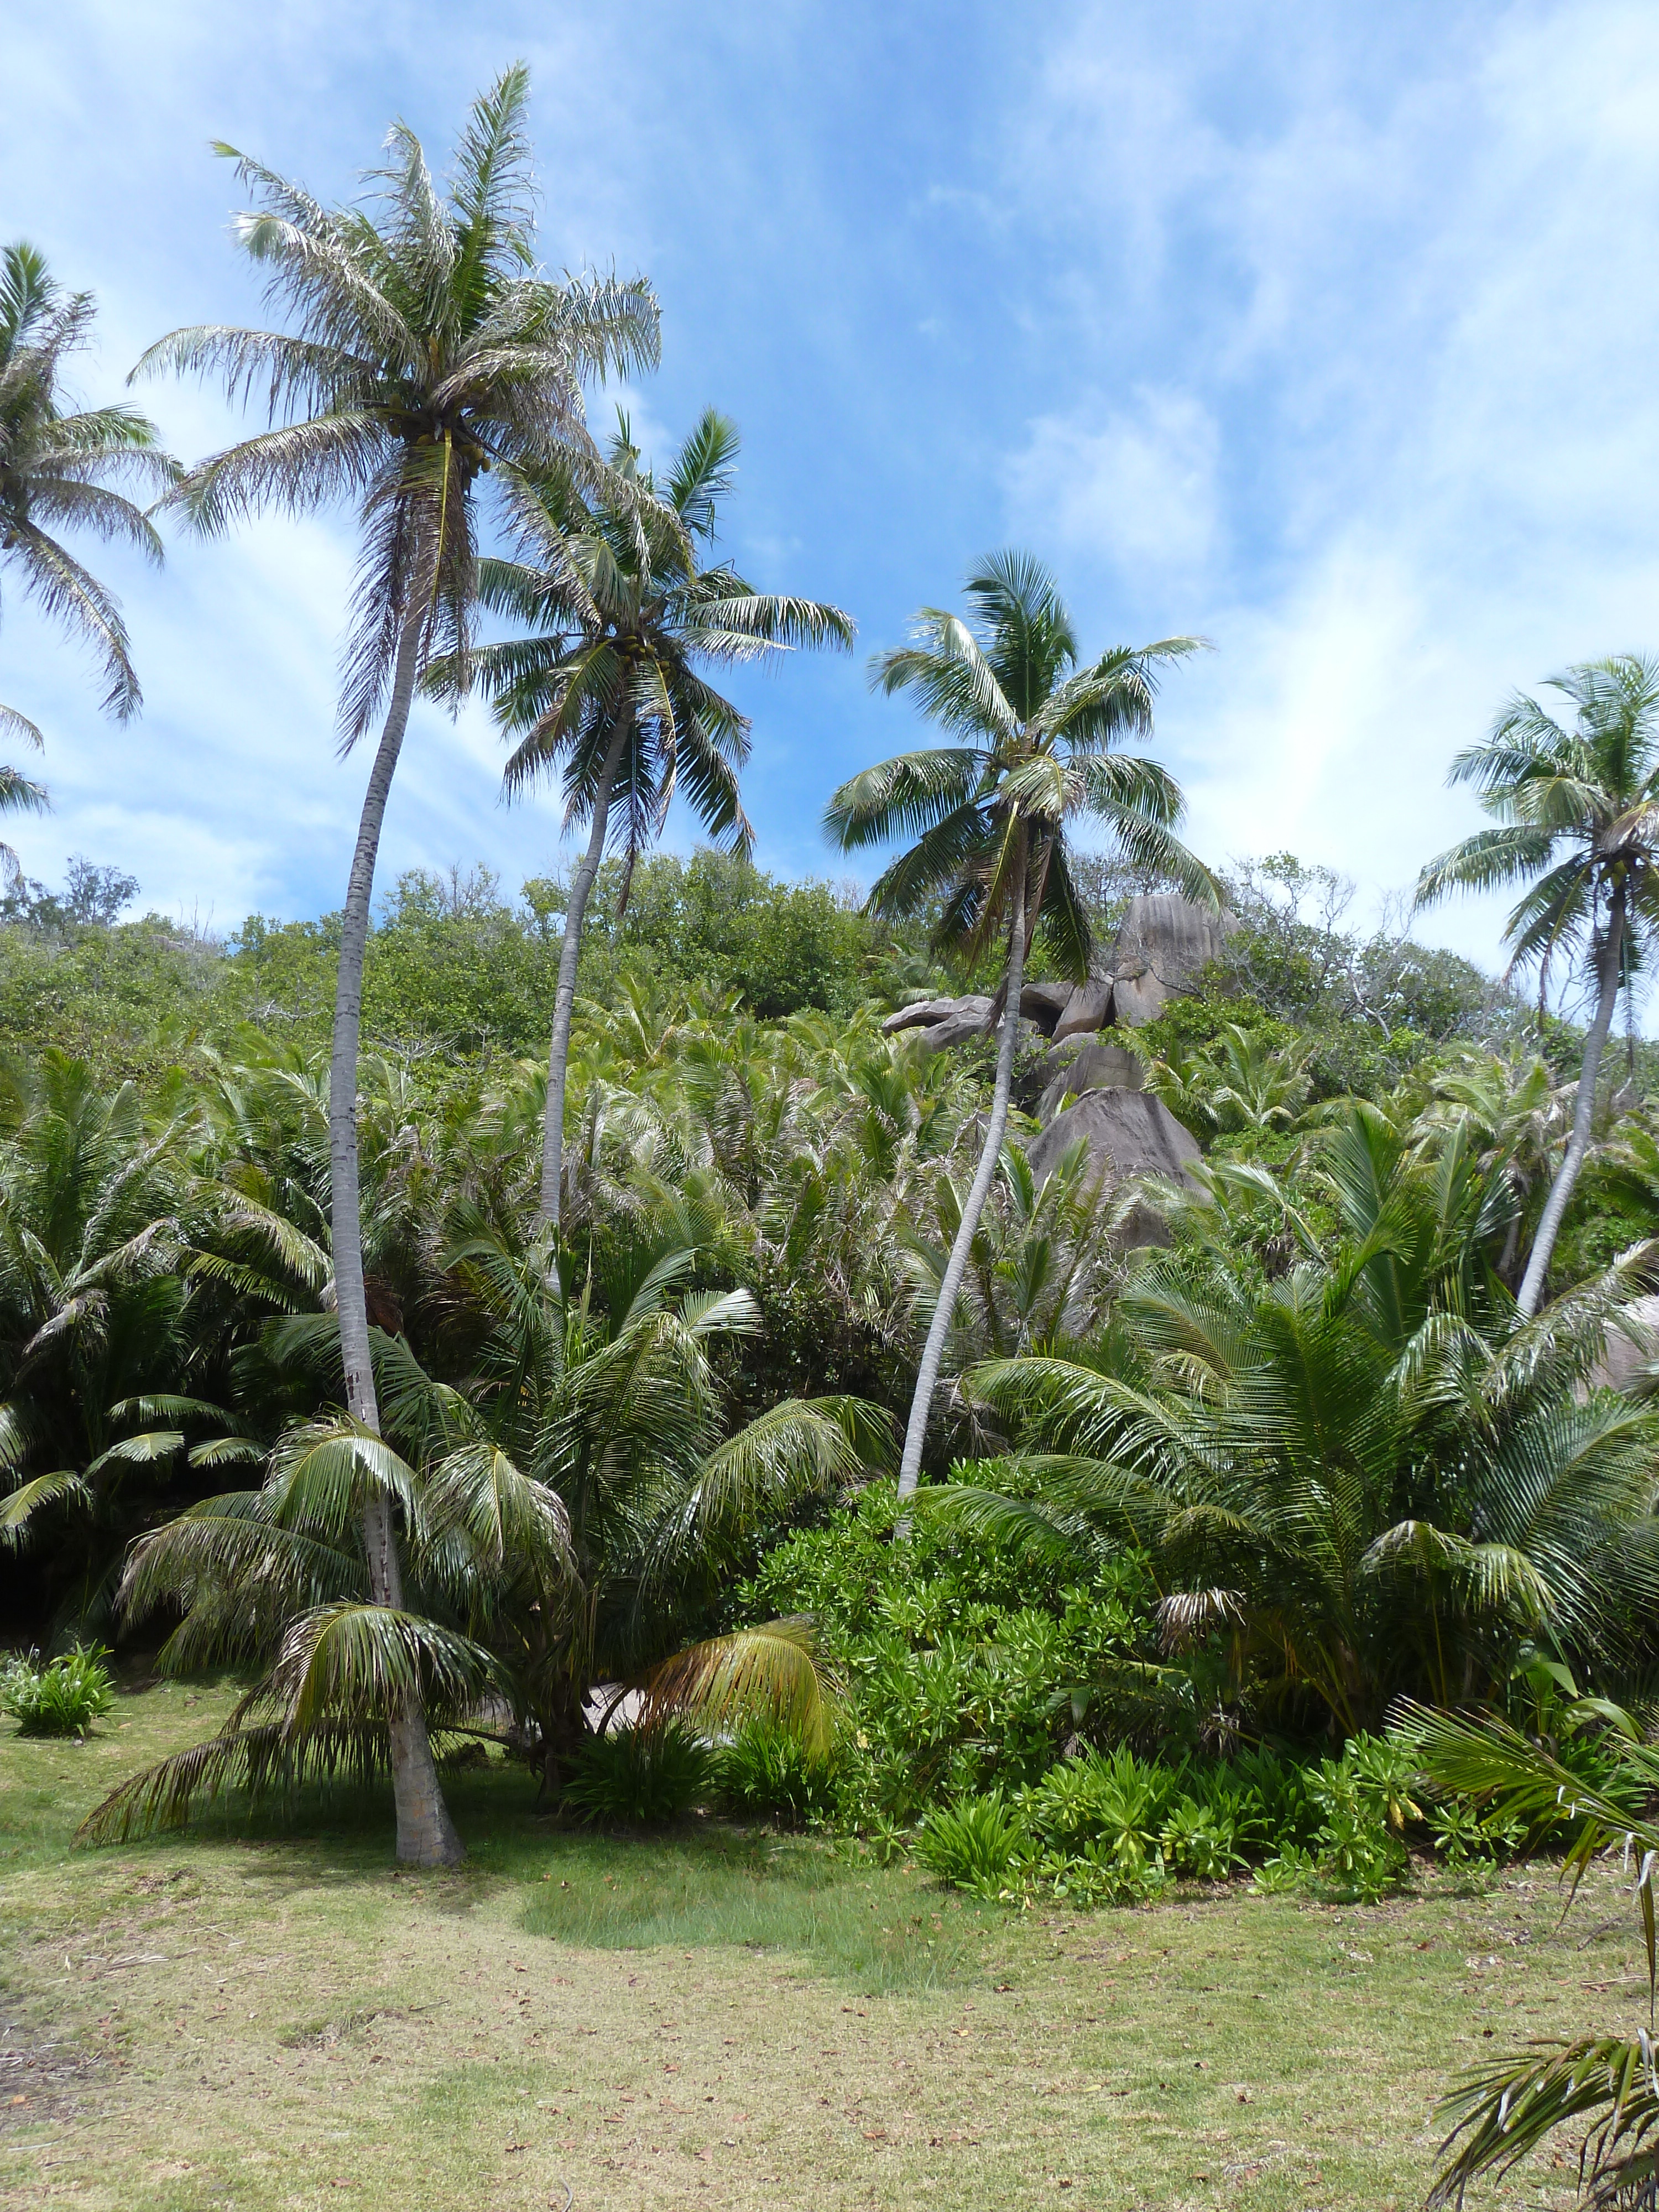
(1162, 946)
(1628, 1349)
(928, 1014)
(1128, 1133)
(1087, 1067)
(1088, 1009)
(1045, 1004)
(943, 1021)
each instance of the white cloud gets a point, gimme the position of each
(1136, 488)
(1422, 336)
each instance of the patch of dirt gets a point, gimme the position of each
(42, 2078)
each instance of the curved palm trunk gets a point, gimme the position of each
(558, 1058)
(932, 1352)
(1608, 963)
(425, 1835)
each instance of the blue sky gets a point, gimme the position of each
(1328, 333)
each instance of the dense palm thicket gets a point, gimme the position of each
(529, 1323)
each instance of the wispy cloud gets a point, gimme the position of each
(1399, 287)
(1326, 332)
(1135, 487)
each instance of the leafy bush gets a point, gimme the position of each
(1200, 1842)
(1358, 1854)
(1111, 1805)
(639, 1777)
(63, 1699)
(766, 1772)
(966, 1667)
(979, 1844)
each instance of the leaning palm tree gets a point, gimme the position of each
(1578, 817)
(606, 690)
(427, 351)
(990, 814)
(56, 467)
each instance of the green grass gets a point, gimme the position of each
(264, 2015)
(722, 1887)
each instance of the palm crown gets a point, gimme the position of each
(56, 467)
(1578, 816)
(1035, 733)
(428, 350)
(606, 690)
(619, 614)
(1578, 811)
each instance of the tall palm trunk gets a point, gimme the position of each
(425, 1835)
(558, 1058)
(1610, 964)
(932, 1352)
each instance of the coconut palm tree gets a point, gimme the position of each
(57, 465)
(426, 353)
(607, 692)
(991, 811)
(1577, 811)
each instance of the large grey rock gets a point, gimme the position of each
(1128, 1133)
(1090, 1067)
(1627, 1350)
(959, 1028)
(928, 1013)
(1088, 1009)
(1162, 944)
(1044, 1004)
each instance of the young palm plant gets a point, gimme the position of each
(991, 813)
(1390, 1486)
(1578, 815)
(427, 353)
(58, 467)
(1507, 2107)
(101, 1340)
(606, 690)
(568, 1514)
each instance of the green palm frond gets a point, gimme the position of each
(262, 1761)
(774, 1672)
(349, 1662)
(64, 1486)
(323, 1474)
(1504, 2110)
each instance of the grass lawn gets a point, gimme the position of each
(271, 2019)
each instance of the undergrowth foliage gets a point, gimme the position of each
(63, 1697)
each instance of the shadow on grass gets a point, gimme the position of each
(708, 1885)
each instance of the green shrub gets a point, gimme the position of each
(979, 1844)
(1200, 1842)
(1286, 1873)
(63, 1699)
(1358, 1854)
(768, 1773)
(639, 1777)
(1110, 1805)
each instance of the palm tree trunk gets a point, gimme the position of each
(425, 1835)
(1608, 965)
(932, 1352)
(558, 1058)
